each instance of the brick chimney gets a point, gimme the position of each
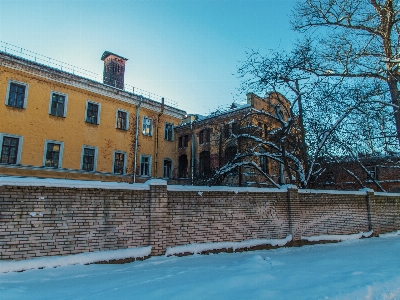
(114, 69)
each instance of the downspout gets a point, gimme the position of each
(136, 138)
(156, 141)
(192, 153)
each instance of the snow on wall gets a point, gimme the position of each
(49, 217)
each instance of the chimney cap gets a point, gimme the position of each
(108, 53)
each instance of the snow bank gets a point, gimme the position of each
(75, 259)
(341, 237)
(390, 234)
(198, 248)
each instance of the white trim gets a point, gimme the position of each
(21, 139)
(125, 162)
(127, 118)
(60, 155)
(65, 103)
(98, 111)
(95, 157)
(8, 92)
(150, 165)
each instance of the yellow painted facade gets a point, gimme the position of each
(37, 126)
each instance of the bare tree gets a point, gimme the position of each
(351, 39)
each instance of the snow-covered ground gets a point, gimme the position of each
(354, 269)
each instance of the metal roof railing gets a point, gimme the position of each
(65, 67)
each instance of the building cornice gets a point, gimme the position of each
(33, 68)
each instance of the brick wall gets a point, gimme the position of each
(41, 221)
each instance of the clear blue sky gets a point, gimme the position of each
(185, 50)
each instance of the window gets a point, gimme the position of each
(11, 146)
(183, 165)
(185, 140)
(119, 162)
(168, 131)
(372, 172)
(92, 112)
(235, 128)
(204, 136)
(265, 131)
(230, 153)
(147, 127)
(264, 164)
(204, 167)
(145, 165)
(226, 131)
(122, 121)
(17, 94)
(53, 154)
(89, 158)
(167, 170)
(58, 104)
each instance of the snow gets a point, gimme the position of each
(69, 183)
(198, 248)
(341, 237)
(355, 269)
(223, 189)
(81, 258)
(332, 192)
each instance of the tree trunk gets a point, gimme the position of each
(394, 95)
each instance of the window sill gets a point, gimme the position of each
(62, 117)
(17, 107)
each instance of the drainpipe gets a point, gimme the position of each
(192, 153)
(136, 137)
(156, 146)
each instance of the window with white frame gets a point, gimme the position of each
(147, 126)
(168, 131)
(167, 168)
(119, 162)
(89, 158)
(11, 146)
(122, 119)
(17, 94)
(145, 165)
(92, 112)
(58, 104)
(53, 151)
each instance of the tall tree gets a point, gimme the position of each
(352, 39)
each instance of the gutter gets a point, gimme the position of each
(136, 138)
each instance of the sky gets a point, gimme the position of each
(184, 50)
(354, 269)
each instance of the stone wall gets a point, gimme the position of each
(41, 221)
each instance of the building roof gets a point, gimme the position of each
(108, 53)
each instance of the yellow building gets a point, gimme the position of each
(57, 124)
